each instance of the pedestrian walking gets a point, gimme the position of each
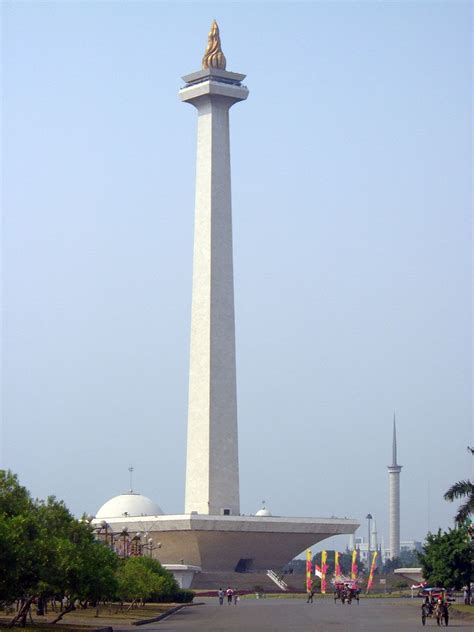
(310, 596)
(220, 594)
(236, 597)
(229, 592)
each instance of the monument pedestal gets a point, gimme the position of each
(229, 543)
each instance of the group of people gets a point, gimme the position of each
(346, 591)
(231, 595)
(437, 608)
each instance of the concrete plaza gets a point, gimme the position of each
(295, 615)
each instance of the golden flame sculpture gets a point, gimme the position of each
(214, 57)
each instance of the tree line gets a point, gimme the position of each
(47, 554)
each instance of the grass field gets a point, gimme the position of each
(464, 610)
(82, 620)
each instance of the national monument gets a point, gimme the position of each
(212, 534)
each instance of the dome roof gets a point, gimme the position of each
(263, 512)
(128, 505)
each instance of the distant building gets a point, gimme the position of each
(410, 545)
(396, 547)
(394, 499)
(384, 552)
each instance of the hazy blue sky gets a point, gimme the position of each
(351, 197)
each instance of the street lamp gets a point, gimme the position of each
(136, 545)
(123, 543)
(149, 546)
(125, 537)
(368, 518)
(104, 526)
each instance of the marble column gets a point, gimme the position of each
(212, 468)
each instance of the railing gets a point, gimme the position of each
(277, 580)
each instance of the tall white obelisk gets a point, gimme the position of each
(212, 467)
(394, 498)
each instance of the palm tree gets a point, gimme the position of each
(462, 489)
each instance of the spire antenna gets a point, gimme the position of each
(394, 442)
(130, 469)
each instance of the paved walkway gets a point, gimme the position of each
(295, 615)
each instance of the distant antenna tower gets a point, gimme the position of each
(130, 469)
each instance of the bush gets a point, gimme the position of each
(136, 581)
(177, 596)
(184, 596)
(142, 578)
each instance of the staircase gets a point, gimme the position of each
(278, 580)
(246, 582)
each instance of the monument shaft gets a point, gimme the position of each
(212, 468)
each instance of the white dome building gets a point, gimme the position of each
(264, 512)
(128, 505)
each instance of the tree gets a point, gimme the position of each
(14, 499)
(446, 559)
(167, 586)
(17, 531)
(462, 489)
(46, 552)
(346, 563)
(142, 578)
(135, 582)
(407, 559)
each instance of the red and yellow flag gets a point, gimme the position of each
(309, 582)
(354, 568)
(372, 569)
(324, 568)
(337, 565)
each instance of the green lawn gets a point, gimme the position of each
(465, 610)
(82, 620)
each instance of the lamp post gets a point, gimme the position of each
(125, 537)
(149, 546)
(136, 545)
(104, 526)
(123, 543)
(368, 518)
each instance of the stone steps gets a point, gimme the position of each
(245, 581)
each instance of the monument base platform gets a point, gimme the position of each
(232, 543)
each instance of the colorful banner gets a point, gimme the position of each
(337, 565)
(354, 568)
(372, 569)
(324, 568)
(309, 581)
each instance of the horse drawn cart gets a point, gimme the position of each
(346, 590)
(436, 604)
